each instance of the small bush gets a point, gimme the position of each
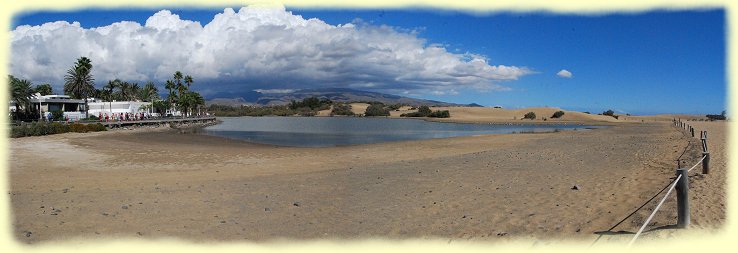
(57, 115)
(43, 128)
(411, 114)
(376, 110)
(440, 114)
(557, 114)
(530, 115)
(424, 110)
(77, 128)
(342, 109)
(306, 112)
(608, 113)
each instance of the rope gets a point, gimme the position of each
(698, 163)
(654, 211)
(634, 212)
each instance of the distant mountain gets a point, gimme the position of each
(335, 94)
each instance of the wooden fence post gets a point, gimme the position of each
(682, 188)
(706, 163)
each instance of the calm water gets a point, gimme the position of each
(337, 131)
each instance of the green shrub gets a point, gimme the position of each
(530, 115)
(57, 115)
(440, 114)
(424, 110)
(44, 128)
(608, 113)
(557, 114)
(306, 112)
(376, 110)
(412, 114)
(77, 128)
(342, 109)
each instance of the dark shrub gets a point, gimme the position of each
(557, 114)
(342, 109)
(57, 115)
(394, 106)
(424, 111)
(530, 115)
(440, 114)
(77, 128)
(714, 117)
(306, 111)
(376, 110)
(608, 113)
(411, 114)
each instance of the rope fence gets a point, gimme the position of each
(673, 185)
(680, 184)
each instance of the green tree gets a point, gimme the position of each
(557, 114)
(172, 95)
(79, 82)
(608, 113)
(109, 92)
(178, 82)
(376, 110)
(149, 92)
(20, 93)
(530, 115)
(188, 80)
(44, 89)
(133, 92)
(186, 102)
(424, 111)
(199, 101)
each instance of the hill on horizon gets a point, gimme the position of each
(334, 94)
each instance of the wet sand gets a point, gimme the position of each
(159, 183)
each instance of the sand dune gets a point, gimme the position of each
(501, 115)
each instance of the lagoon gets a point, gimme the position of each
(341, 131)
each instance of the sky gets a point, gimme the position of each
(650, 62)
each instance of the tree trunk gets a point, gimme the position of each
(86, 109)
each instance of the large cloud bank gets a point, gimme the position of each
(254, 48)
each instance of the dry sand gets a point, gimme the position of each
(158, 183)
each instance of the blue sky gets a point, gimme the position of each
(641, 63)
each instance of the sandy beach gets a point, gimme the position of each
(158, 183)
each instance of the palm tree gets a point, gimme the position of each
(172, 96)
(20, 93)
(149, 92)
(79, 81)
(133, 92)
(186, 102)
(124, 90)
(108, 92)
(44, 89)
(188, 80)
(178, 82)
(199, 101)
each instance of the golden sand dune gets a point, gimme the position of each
(543, 114)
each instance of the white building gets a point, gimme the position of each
(118, 107)
(73, 108)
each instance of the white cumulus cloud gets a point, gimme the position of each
(254, 48)
(564, 74)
